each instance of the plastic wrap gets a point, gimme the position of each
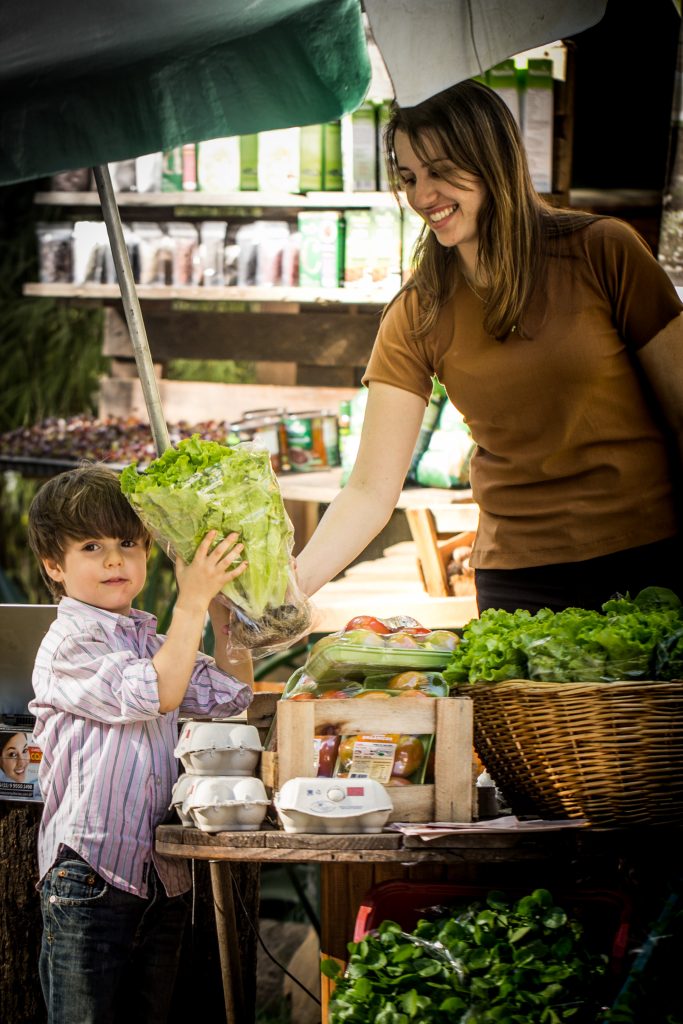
(199, 486)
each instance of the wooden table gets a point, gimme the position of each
(351, 864)
(394, 583)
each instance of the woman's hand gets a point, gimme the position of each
(209, 570)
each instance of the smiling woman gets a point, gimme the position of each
(542, 324)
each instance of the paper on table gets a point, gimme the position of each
(439, 829)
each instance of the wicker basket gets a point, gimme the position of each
(608, 752)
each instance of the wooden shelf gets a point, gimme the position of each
(286, 299)
(210, 204)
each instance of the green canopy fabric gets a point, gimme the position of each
(82, 84)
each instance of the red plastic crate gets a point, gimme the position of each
(604, 913)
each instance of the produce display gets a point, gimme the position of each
(492, 961)
(410, 683)
(639, 638)
(370, 646)
(199, 486)
(114, 439)
(394, 759)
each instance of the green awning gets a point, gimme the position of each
(82, 84)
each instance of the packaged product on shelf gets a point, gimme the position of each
(322, 248)
(411, 229)
(150, 239)
(189, 158)
(272, 238)
(446, 462)
(55, 256)
(148, 170)
(504, 80)
(246, 239)
(90, 242)
(218, 165)
(349, 440)
(122, 173)
(357, 249)
(437, 400)
(359, 149)
(185, 241)
(311, 158)
(278, 160)
(77, 180)
(333, 178)
(172, 170)
(312, 440)
(211, 253)
(290, 259)
(537, 122)
(131, 242)
(385, 250)
(266, 426)
(383, 112)
(231, 256)
(249, 150)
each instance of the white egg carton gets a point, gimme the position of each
(219, 748)
(333, 806)
(225, 803)
(178, 794)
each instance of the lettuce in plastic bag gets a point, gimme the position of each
(199, 486)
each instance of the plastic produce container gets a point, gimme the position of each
(362, 651)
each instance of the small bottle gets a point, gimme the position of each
(487, 800)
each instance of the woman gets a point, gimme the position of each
(559, 338)
(15, 758)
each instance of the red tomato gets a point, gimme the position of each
(367, 622)
(413, 630)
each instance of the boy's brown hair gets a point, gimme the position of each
(77, 505)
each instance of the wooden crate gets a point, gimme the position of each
(449, 719)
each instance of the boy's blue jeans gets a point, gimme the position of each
(107, 956)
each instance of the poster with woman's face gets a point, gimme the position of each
(19, 761)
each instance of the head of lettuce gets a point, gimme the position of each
(198, 486)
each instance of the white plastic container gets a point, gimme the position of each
(219, 748)
(178, 794)
(333, 806)
(226, 803)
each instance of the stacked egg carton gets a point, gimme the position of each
(218, 791)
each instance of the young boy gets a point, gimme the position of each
(108, 692)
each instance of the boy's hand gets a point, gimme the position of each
(209, 570)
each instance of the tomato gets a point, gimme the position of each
(336, 695)
(302, 696)
(403, 639)
(367, 622)
(327, 754)
(413, 694)
(408, 757)
(374, 694)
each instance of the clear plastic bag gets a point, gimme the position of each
(199, 486)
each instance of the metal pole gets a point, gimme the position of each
(131, 308)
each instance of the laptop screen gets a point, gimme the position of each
(22, 627)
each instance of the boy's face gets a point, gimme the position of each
(106, 572)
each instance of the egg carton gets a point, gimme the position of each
(216, 803)
(219, 748)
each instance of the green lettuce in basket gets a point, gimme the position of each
(199, 486)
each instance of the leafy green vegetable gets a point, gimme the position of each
(640, 638)
(519, 962)
(202, 485)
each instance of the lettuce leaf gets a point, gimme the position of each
(199, 486)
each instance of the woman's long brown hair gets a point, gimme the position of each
(470, 125)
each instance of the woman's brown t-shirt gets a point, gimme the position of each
(571, 461)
